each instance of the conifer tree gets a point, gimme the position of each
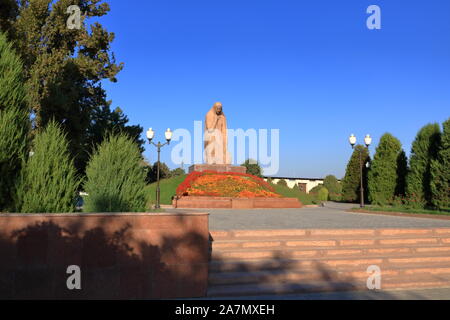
(440, 171)
(383, 174)
(115, 177)
(424, 150)
(48, 182)
(14, 122)
(351, 182)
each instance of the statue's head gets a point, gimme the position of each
(218, 108)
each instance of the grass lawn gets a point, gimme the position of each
(167, 187)
(305, 199)
(405, 210)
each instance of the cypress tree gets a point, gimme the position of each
(424, 150)
(48, 182)
(402, 174)
(383, 179)
(14, 122)
(440, 171)
(115, 177)
(351, 182)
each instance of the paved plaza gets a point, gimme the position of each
(332, 216)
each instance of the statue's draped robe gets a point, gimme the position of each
(216, 138)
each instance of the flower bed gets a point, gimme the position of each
(225, 184)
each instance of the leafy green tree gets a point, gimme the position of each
(8, 10)
(334, 187)
(383, 174)
(103, 122)
(440, 172)
(253, 167)
(14, 122)
(115, 177)
(351, 182)
(48, 182)
(177, 172)
(64, 68)
(424, 150)
(164, 172)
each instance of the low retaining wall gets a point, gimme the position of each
(121, 256)
(235, 203)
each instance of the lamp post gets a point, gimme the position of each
(367, 142)
(150, 136)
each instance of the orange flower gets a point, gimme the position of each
(225, 184)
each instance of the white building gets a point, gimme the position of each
(305, 184)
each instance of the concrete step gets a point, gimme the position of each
(331, 252)
(224, 245)
(326, 233)
(268, 262)
(281, 263)
(418, 282)
(351, 274)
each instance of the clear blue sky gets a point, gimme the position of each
(309, 68)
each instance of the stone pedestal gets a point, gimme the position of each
(217, 168)
(235, 203)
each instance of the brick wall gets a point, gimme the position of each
(121, 256)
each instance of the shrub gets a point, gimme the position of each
(48, 181)
(115, 179)
(316, 189)
(282, 182)
(383, 174)
(322, 195)
(351, 182)
(334, 188)
(14, 123)
(253, 168)
(423, 152)
(440, 172)
(319, 193)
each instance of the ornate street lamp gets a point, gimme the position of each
(367, 142)
(150, 136)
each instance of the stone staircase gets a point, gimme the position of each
(270, 262)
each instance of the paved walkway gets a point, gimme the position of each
(333, 216)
